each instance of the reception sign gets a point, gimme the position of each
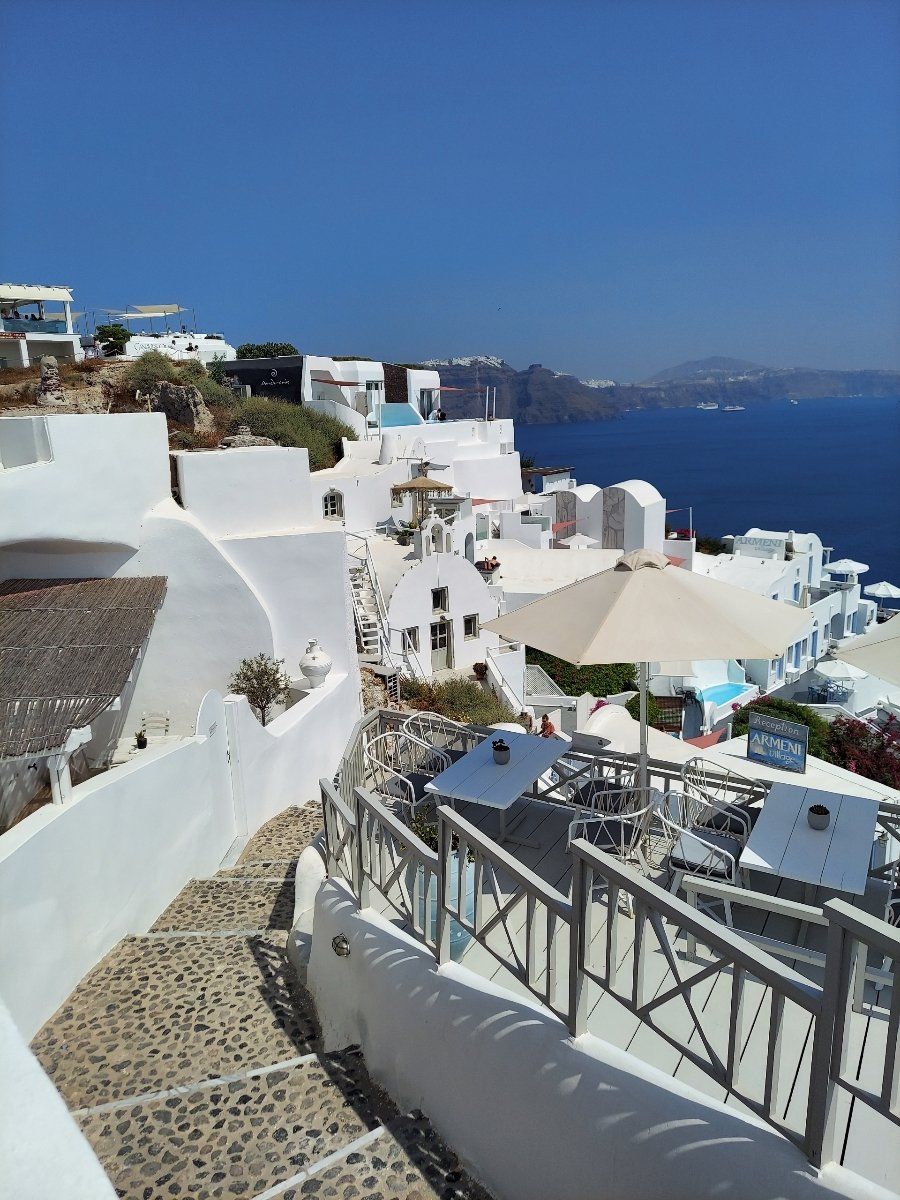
(777, 743)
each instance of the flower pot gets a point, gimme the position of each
(479, 670)
(141, 741)
(818, 816)
(315, 664)
(501, 752)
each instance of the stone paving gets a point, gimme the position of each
(191, 1059)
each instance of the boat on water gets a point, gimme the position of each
(708, 405)
(733, 408)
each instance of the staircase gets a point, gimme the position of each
(365, 612)
(191, 1059)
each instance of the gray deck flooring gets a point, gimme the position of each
(871, 1145)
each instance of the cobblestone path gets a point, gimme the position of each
(191, 1059)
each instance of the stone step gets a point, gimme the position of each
(406, 1162)
(269, 869)
(161, 1012)
(229, 904)
(285, 835)
(233, 1138)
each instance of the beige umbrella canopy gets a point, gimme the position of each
(645, 610)
(877, 652)
(423, 489)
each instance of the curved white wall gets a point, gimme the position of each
(534, 1113)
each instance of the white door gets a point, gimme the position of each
(441, 645)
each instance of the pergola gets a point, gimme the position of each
(423, 489)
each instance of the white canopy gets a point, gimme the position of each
(579, 539)
(846, 566)
(144, 311)
(832, 668)
(30, 293)
(882, 591)
(876, 652)
(645, 610)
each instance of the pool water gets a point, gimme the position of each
(723, 692)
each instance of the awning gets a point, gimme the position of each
(321, 377)
(30, 293)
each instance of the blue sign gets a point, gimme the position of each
(777, 743)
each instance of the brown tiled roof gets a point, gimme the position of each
(67, 647)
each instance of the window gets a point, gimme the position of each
(411, 638)
(373, 386)
(333, 506)
(470, 627)
(796, 591)
(439, 600)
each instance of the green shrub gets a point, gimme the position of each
(605, 680)
(113, 337)
(150, 368)
(266, 349)
(212, 391)
(293, 425)
(789, 710)
(458, 699)
(634, 707)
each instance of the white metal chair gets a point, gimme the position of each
(708, 794)
(623, 833)
(450, 737)
(605, 788)
(696, 849)
(400, 766)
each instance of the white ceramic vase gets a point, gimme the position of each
(315, 664)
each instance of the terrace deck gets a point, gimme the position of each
(870, 1145)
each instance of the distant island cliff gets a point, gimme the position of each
(539, 395)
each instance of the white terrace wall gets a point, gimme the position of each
(280, 764)
(536, 1114)
(76, 878)
(42, 1150)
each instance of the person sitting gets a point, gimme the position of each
(547, 729)
(493, 562)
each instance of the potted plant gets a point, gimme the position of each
(480, 670)
(140, 739)
(501, 751)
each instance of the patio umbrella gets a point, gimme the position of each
(579, 541)
(644, 610)
(832, 668)
(876, 652)
(846, 566)
(423, 489)
(882, 591)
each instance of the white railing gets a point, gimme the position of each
(568, 952)
(515, 915)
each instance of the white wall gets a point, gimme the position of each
(76, 878)
(280, 764)
(254, 489)
(42, 1150)
(304, 577)
(535, 1114)
(410, 605)
(106, 472)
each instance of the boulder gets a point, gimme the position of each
(182, 403)
(50, 390)
(244, 437)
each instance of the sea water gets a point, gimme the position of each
(830, 467)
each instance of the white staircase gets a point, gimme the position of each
(365, 611)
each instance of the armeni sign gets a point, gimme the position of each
(776, 742)
(760, 547)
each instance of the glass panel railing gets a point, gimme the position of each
(11, 325)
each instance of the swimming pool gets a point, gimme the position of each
(723, 692)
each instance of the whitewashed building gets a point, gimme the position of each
(29, 331)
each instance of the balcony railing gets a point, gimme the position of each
(11, 325)
(559, 947)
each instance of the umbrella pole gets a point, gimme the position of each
(643, 673)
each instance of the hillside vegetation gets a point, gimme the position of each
(292, 425)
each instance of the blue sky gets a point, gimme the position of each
(606, 188)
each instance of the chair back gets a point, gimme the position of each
(436, 730)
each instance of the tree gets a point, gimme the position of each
(266, 349)
(112, 337)
(263, 681)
